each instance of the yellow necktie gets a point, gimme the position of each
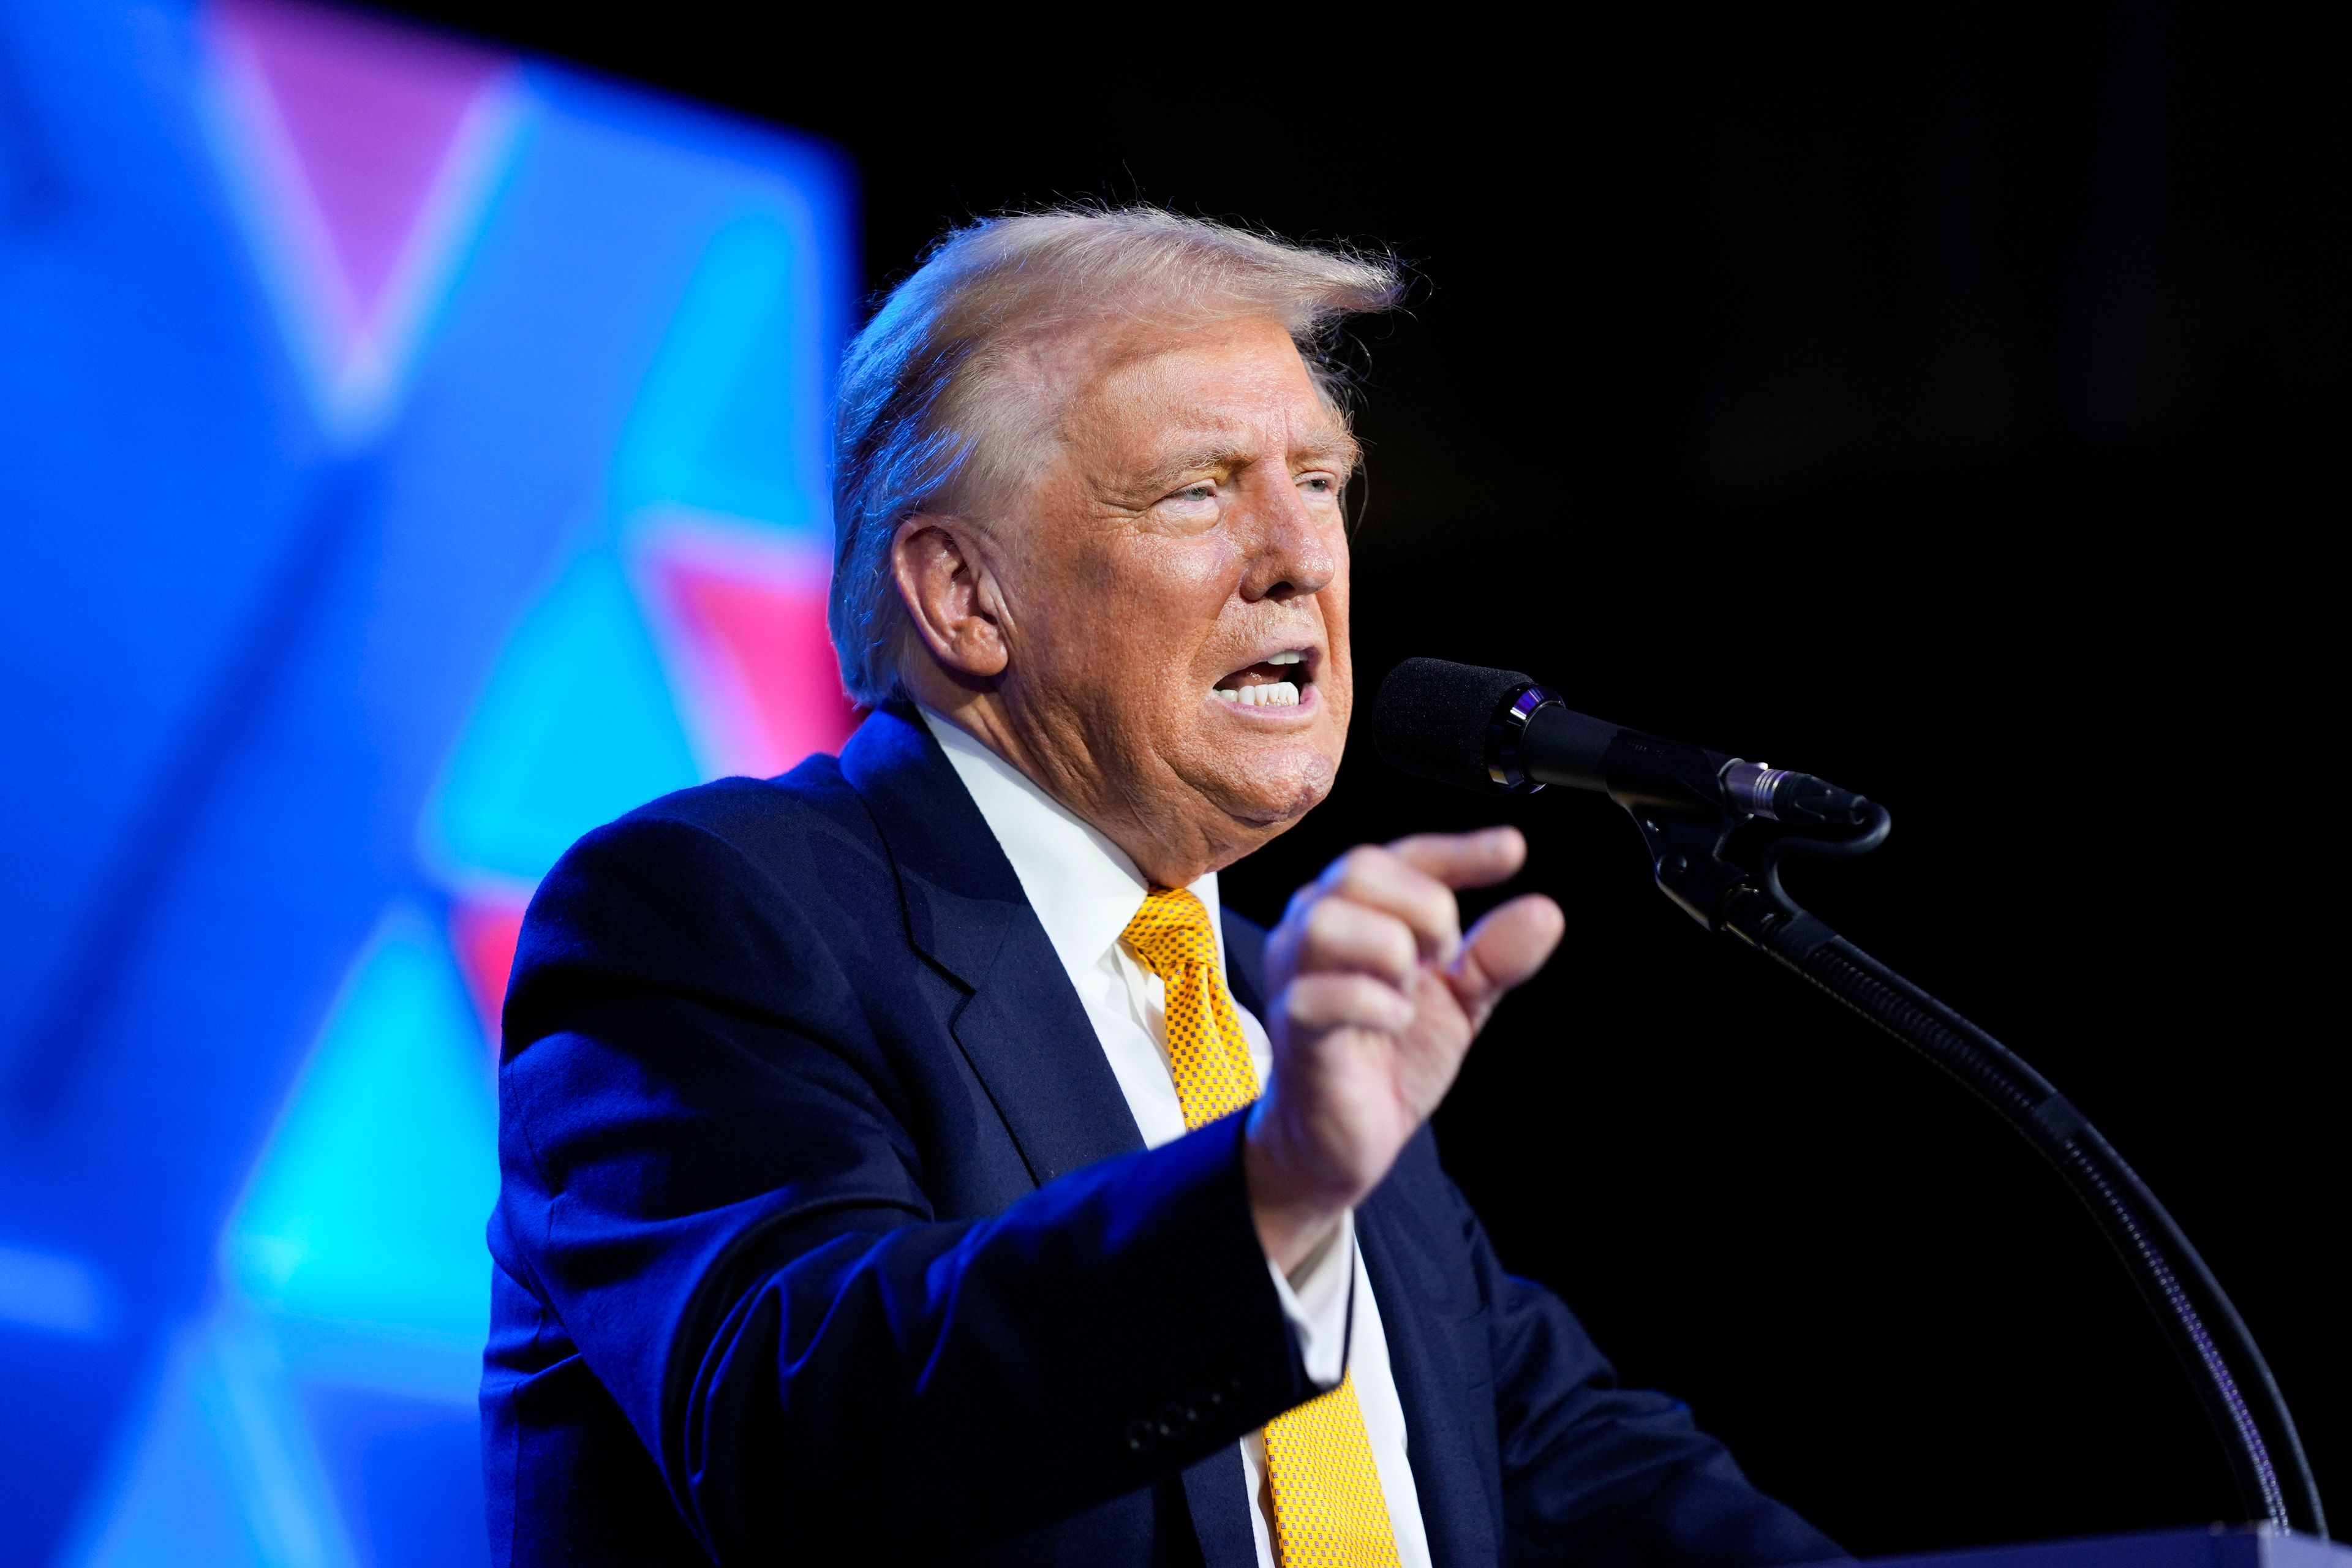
(1328, 1508)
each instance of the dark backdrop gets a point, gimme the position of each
(1911, 395)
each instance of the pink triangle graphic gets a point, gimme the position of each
(744, 618)
(367, 147)
(484, 932)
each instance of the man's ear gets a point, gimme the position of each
(949, 595)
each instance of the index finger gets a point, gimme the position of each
(1478, 860)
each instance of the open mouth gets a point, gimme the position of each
(1277, 681)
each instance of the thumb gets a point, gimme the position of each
(1505, 950)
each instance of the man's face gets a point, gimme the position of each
(1175, 597)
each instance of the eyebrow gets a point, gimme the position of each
(1341, 449)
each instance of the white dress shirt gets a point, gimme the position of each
(1085, 891)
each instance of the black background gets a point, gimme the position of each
(1943, 399)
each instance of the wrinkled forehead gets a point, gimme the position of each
(1123, 399)
(1240, 381)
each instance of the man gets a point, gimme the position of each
(887, 1172)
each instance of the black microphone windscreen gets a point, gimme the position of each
(1430, 718)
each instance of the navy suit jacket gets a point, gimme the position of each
(825, 1234)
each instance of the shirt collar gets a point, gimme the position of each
(1082, 885)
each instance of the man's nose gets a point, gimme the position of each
(1293, 555)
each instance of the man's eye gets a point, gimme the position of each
(1196, 492)
(1321, 484)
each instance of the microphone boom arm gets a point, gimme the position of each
(1721, 867)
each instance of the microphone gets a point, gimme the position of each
(1716, 828)
(1497, 731)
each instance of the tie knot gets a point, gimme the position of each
(1171, 933)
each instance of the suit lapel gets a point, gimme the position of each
(1216, 1491)
(1022, 1027)
(1447, 1434)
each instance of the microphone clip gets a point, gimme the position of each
(1717, 828)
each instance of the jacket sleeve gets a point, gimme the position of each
(709, 1180)
(1607, 1476)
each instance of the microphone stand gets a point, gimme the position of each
(1724, 870)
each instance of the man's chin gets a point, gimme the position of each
(1270, 798)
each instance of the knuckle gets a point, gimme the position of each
(1427, 884)
(1336, 1001)
(1343, 933)
(1370, 1002)
(1327, 919)
(1297, 920)
(1305, 1002)
(1417, 890)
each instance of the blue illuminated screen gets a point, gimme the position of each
(413, 456)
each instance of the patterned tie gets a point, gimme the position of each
(1328, 1508)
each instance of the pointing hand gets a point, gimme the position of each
(1376, 997)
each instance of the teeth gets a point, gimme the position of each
(1286, 658)
(1275, 694)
